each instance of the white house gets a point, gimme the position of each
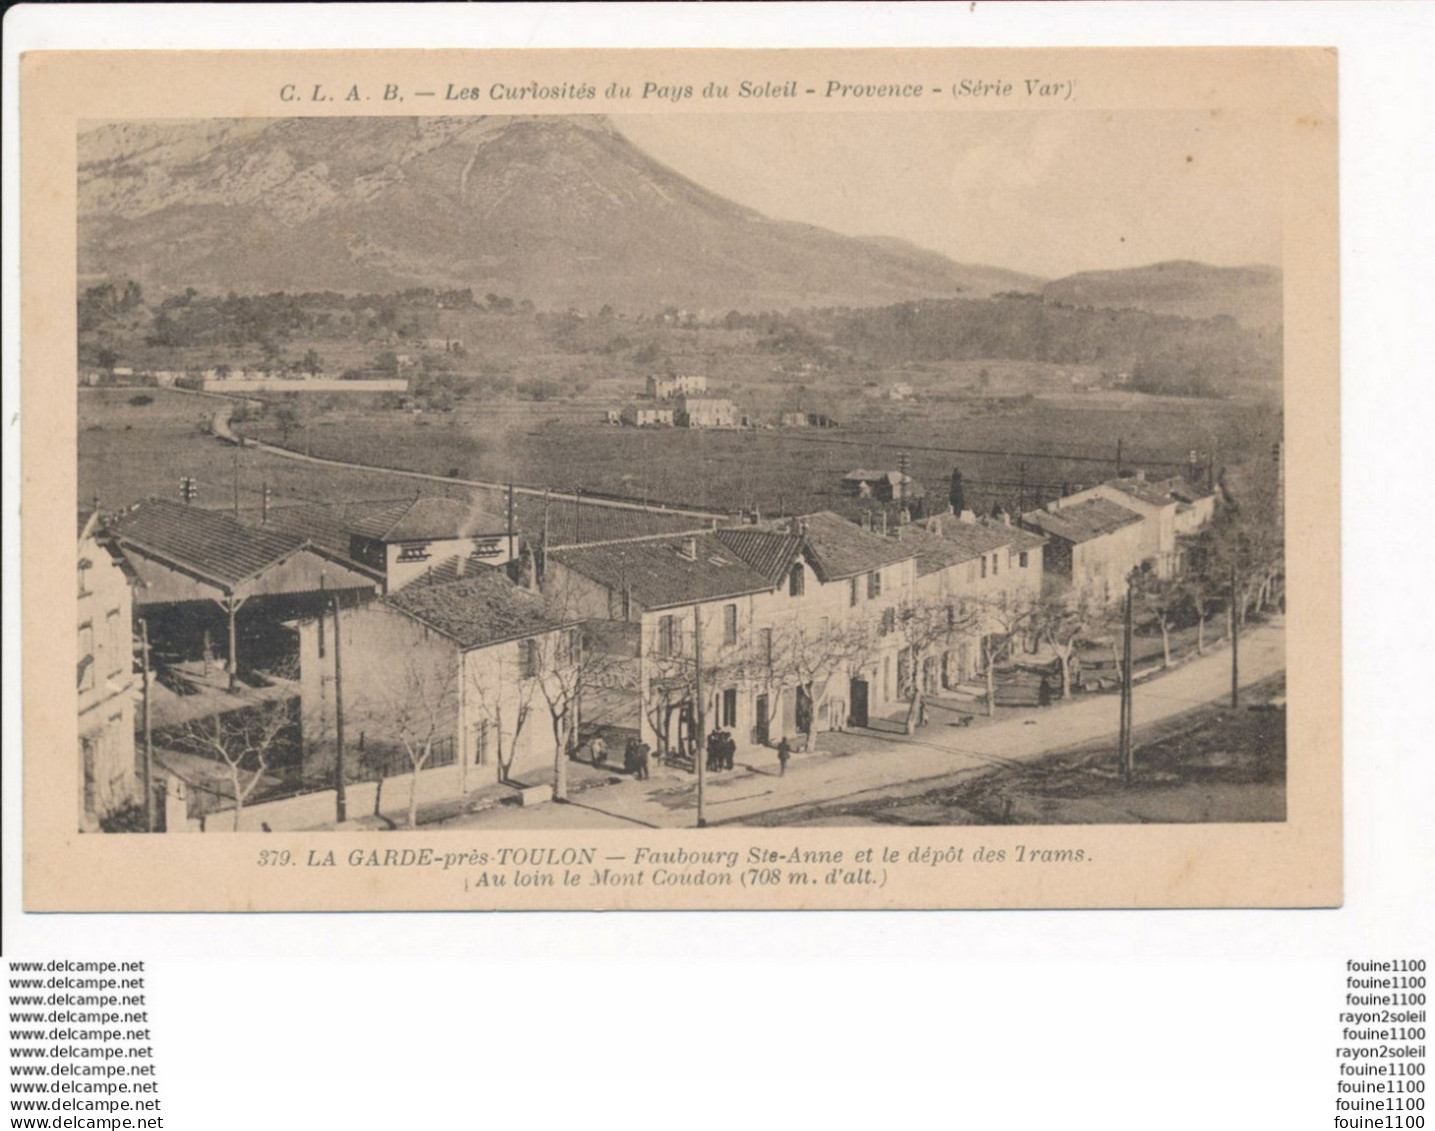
(105, 682)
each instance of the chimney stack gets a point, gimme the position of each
(884, 524)
(1140, 475)
(969, 517)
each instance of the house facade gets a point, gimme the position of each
(647, 416)
(666, 388)
(1092, 546)
(460, 665)
(795, 626)
(408, 540)
(106, 683)
(706, 412)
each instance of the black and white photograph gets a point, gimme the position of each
(530, 471)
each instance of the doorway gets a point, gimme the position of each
(858, 696)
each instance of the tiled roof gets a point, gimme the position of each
(862, 475)
(769, 552)
(1158, 492)
(658, 573)
(209, 543)
(480, 608)
(1081, 522)
(429, 517)
(843, 549)
(578, 524)
(322, 525)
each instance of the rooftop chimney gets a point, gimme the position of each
(689, 549)
(1054, 506)
(884, 524)
(1140, 475)
(969, 517)
(935, 526)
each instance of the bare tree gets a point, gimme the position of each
(1001, 617)
(813, 657)
(503, 696)
(1063, 623)
(1160, 598)
(244, 741)
(421, 706)
(924, 624)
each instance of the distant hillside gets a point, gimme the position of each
(1250, 295)
(559, 210)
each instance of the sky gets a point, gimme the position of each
(1045, 192)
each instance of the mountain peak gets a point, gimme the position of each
(560, 209)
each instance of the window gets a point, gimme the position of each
(889, 621)
(984, 565)
(112, 642)
(951, 616)
(767, 646)
(995, 559)
(87, 657)
(668, 636)
(1022, 559)
(874, 584)
(528, 658)
(729, 707)
(886, 677)
(480, 743)
(853, 593)
(84, 573)
(414, 553)
(729, 624)
(796, 580)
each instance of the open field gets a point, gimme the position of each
(565, 444)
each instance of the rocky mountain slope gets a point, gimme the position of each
(559, 210)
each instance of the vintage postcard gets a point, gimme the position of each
(680, 479)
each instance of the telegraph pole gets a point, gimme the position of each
(236, 482)
(700, 755)
(1235, 645)
(149, 821)
(341, 801)
(1127, 755)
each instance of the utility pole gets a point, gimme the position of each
(1021, 490)
(577, 516)
(341, 800)
(1128, 761)
(149, 821)
(1235, 645)
(236, 482)
(265, 504)
(904, 461)
(1118, 456)
(700, 755)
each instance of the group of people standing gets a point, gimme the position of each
(637, 756)
(721, 750)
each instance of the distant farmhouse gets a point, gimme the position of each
(885, 486)
(706, 412)
(801, 419)
(666, 388)
(644, 416)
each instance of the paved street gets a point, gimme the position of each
(857, 762)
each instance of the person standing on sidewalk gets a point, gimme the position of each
(784, 752)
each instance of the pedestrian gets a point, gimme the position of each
(922, 713)
(599, 750)
(729, 747)
(1043, 694)
(784, 752)
(630, 756)
(643, 754)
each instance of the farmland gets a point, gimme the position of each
(127, 452)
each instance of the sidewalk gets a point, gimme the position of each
(858, 761)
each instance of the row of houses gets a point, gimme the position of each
(495, 651)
